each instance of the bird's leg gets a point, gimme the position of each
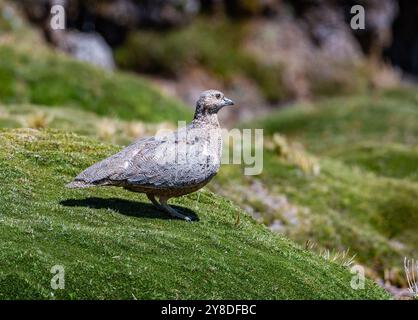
(171, 211)
(154, 201)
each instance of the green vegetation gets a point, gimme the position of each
(388, 160)
(346, 78)
(386, 117)
(113, 245)
(365, 196)
(87, 123)
(50, 79)
(214, 45)
(342, 207)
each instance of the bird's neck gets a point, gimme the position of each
(206, 120)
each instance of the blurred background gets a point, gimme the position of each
(263, 53)
(339, 107)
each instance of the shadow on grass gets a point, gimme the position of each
(127, 207)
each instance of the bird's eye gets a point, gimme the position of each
(218, 96)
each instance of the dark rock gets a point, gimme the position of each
(403, 51)
(120, 12)
(167, 13)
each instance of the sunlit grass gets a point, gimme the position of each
(114, 244)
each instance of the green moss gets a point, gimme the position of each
(347, 208)
(345, 79)
(75, 120)
(214, 45)
(365, 197)
(389, 160)
(9, 123)
(404, 94)
(336, 123)
(50, 79)
(113, 245)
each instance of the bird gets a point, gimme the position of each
(166, 165)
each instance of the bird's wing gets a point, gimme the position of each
(155, 162)
(148, 165)
(103, 172)
(158, 163)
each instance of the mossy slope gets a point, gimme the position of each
(106, 129)
(55, 80)
(329, 124)
(365, 196)
(112, 245)
(373, 213)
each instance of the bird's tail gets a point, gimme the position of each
(76, 184)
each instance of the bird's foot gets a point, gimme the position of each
(173, 212)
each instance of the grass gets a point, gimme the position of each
(339, 122)
(342, 207)
(113, 245)
(55, 80)
(365, 196)
(87, 123)
(388, 160)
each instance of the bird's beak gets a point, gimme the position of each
(228, 102)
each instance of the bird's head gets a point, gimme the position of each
(210, 102)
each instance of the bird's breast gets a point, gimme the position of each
(198, 155)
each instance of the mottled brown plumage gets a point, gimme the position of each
(169, 165)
